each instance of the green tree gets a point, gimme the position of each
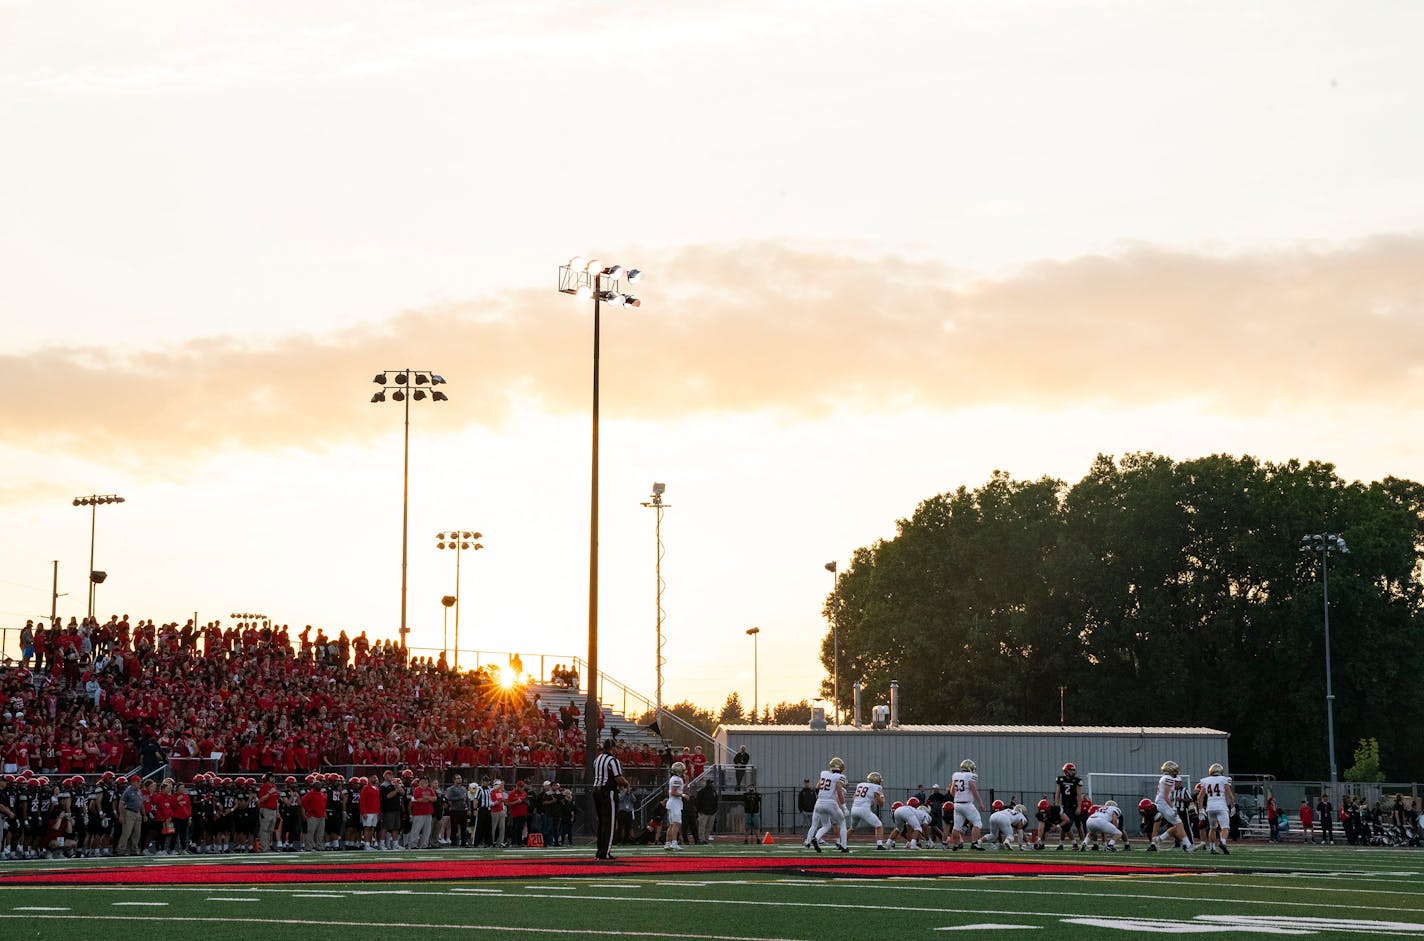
(1366, 769)
(732, 712)
(788, 713)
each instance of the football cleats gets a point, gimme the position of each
(875, 778)
(1070, 768)
(835, 764)
(1145, 803)
(998, 805)
(1216, 769)
(1043, 804)
(967, 765)
(913, 802)
(678, 768)
(1171, 767)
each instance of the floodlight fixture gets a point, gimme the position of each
(438, 396)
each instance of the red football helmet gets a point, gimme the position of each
(1043, 804)
(914, 802)
(1070, 768)
(1145, 803)
(897, 805)
(998, 805)
(291, 779)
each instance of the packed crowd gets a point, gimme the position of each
(93, 697)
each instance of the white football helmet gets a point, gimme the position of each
(678, 768)
(1216, 769)
(875, 778)
(967, 765)
(836, 765)
(1171, 767)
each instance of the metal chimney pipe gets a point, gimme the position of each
(855, 688)
(894, 704)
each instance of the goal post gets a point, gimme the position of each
(1126, 789)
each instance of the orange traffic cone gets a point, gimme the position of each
(767, 840)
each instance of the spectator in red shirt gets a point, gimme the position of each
(370, 812)
(1307, 820)
(182, 806)
(422, 806)
(268, 797)
(314, 810)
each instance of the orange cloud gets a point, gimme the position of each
(767, 327)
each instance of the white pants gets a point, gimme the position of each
(862, 816)
(674, 810)
(967, 813)
(998, 828)
(1168, 813)
(1218, 817)
(1101, 827)
(825, 818)
(419, 831)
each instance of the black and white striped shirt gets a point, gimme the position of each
(606, 771)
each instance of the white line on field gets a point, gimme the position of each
(227, 898)
(38, 908)
(154, 904)
(986, 927)
(380, 924)
(316, 895)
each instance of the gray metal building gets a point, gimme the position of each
(1020, 760)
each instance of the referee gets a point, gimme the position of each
(607, 779)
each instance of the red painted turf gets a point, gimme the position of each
(459, 869)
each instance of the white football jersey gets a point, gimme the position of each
(907, 818)
(1108, 815)
(868, 795)
(959, 786)
(924, 816)
(826, 787)
(1215, 787)
(675, 788)
(1169, 788)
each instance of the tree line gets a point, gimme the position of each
(1159, 593)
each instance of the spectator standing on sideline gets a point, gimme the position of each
(608, 779)
(314, 815)
(740, 761)
(267, 800)
(422, 811)
(131, 817)
(706, 811)
(1273, 818)
(370, 804)
(1326, 811)
(518, 813)
(457, 796)
(498, 811)
(936, 802)
(1307, 821)
(806, 802)
(751, 801)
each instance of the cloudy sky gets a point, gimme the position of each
(890, 247)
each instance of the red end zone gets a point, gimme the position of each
(463, 869)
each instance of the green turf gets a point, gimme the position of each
(1343, 884)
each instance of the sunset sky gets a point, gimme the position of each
(890, 247)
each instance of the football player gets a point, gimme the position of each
(1068, 790)
(673, 803)
(1006, 825)
(910, 823)
(964, 788)
(1105, 823)
(1169, 790)
(865, 806)
(1214, 802)
(830, 811)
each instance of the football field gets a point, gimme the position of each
(721, 892)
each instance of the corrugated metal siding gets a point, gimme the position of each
(1013, 760)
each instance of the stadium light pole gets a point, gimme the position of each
(755, 633)
(584, 279)
(459, 541)
(407, 384)
(1324, 544)
(836, 642)
(655, 502)
(446, 601)
(93, 501)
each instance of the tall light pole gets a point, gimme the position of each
(755, 633)
(655, 502)
(447, 601)
(459, 541)
(585, 278)
(836, 642)
(93, 501)
(1324, 544)
(407, 384)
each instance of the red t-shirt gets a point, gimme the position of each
(370, 799)
(422, 802)
(182, 807)
(314, 803)
(267, 796)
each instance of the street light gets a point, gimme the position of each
(1324, 544)
(93, 501)
(407, 384)
(836, 642)
(590, 278)
(459, 541)
(656, 503)
(754, 632)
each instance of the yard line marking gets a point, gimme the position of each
(1162, 926)
(38, 908)
(386, 924)
(154, 904)
(225, 898)
(987, 926)
(313, 895)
